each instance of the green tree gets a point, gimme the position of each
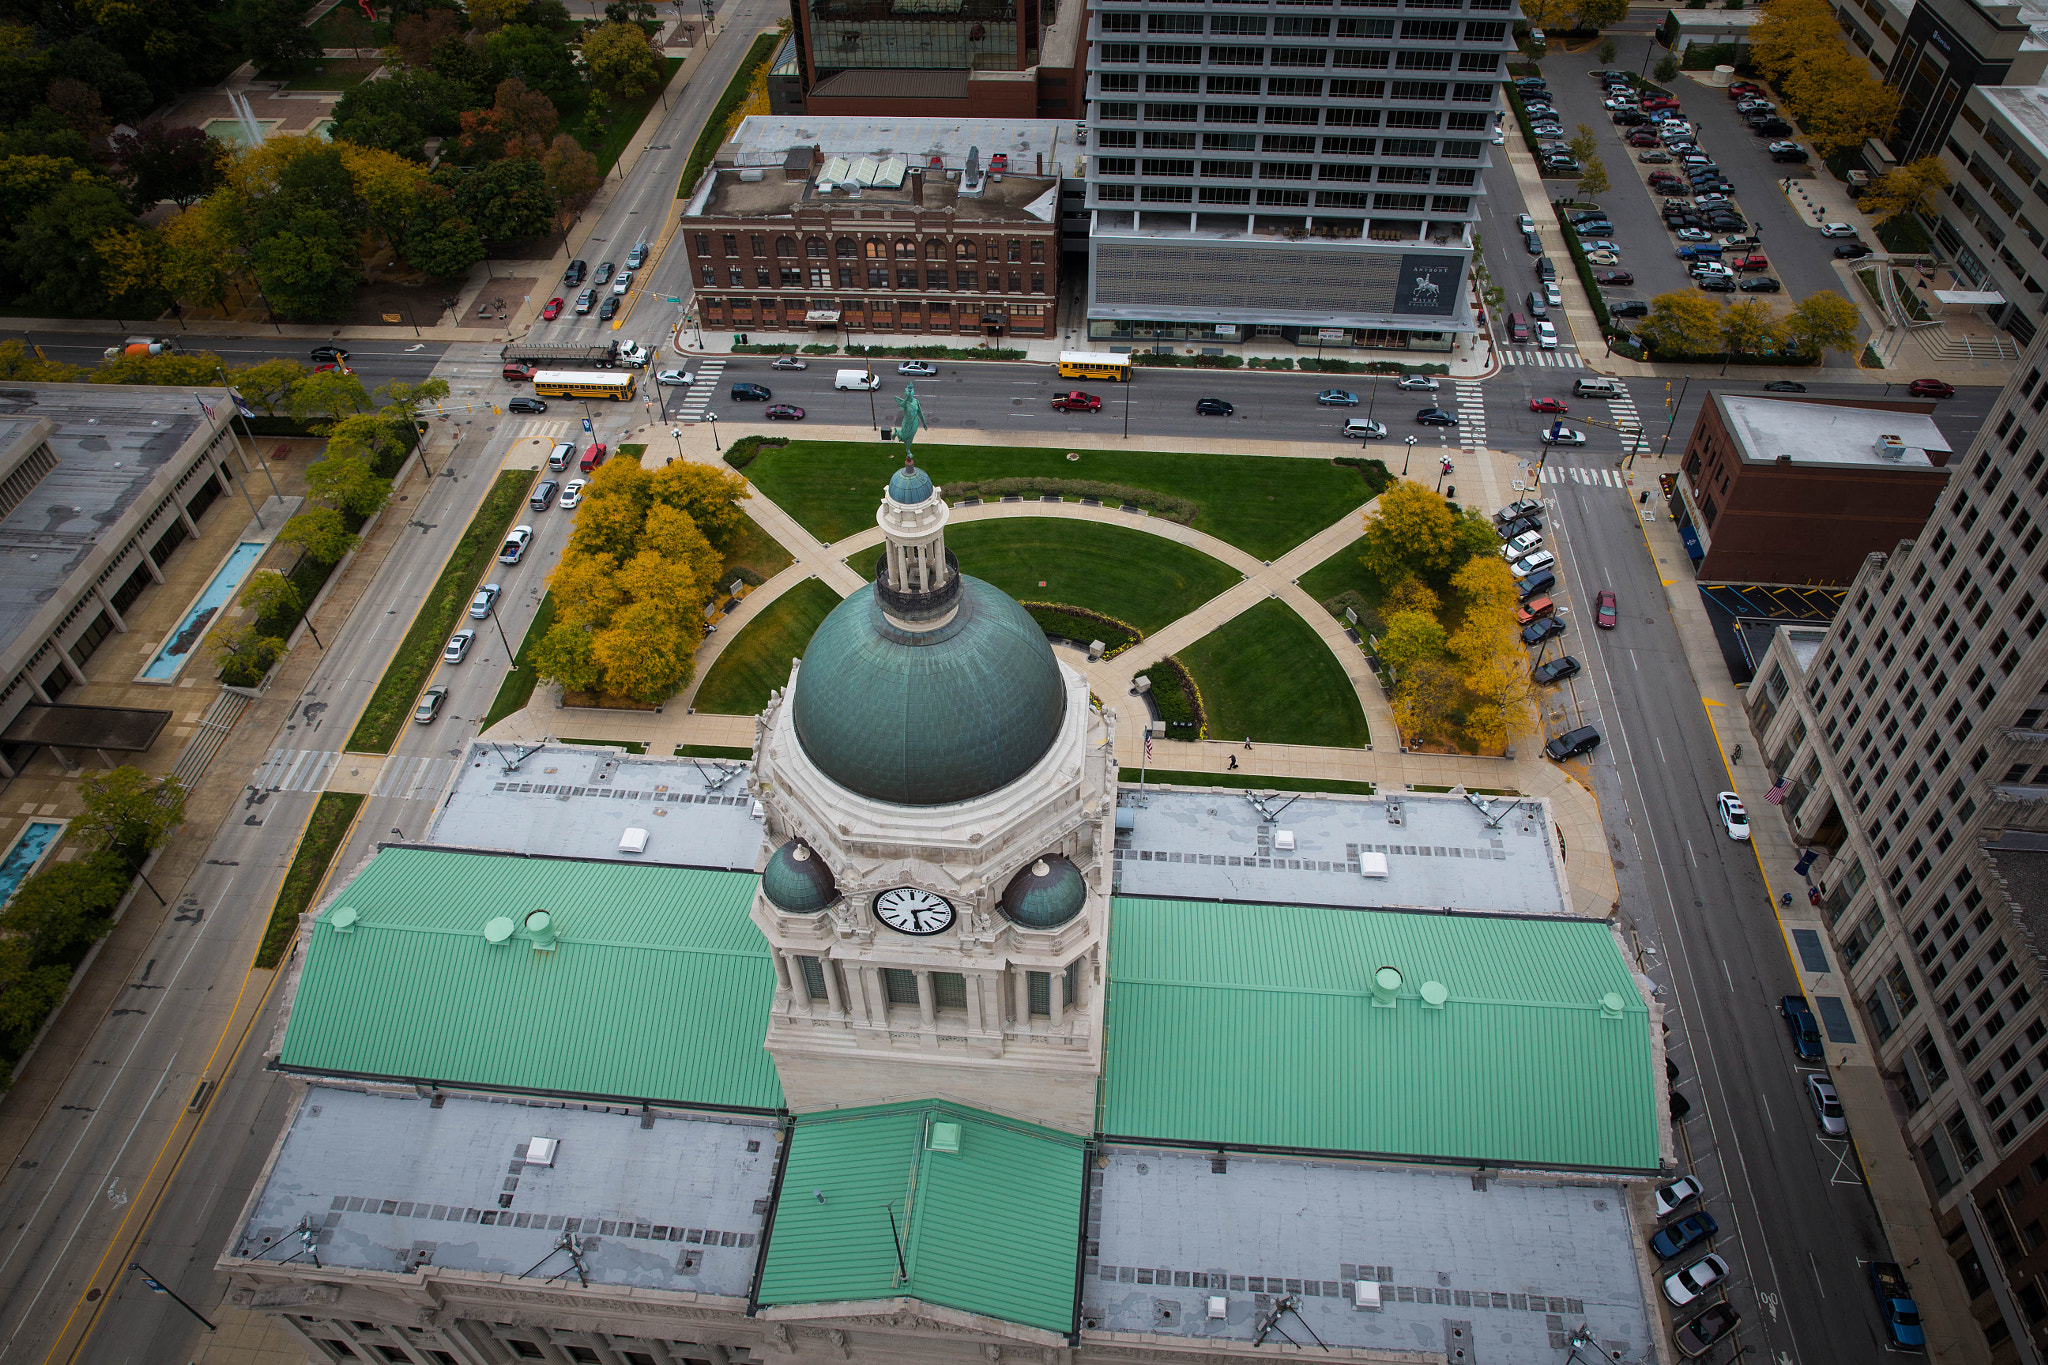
(1913, 187)
(270, 595)
(623, 64)
(438, 239)
(19, 363)
(506, 200)
(53, 251)
(1746, 326)
(1603, 14)
(268, 384)
(172, 369)
(404, 402)
(63, 909)
(1667, 68)
(308, 265)
(377, 438)
(321, 533)
(1608, 50)
(244, 654)
(1683, 322)
(129, 811)
(328, 395)
(1411, 637)
(540, 59)
(564, 657)
(273, 33)
(346, 482)
(400, 112)
(28, 992)
(1584, 141)
(1823, 321)
(1593, 178)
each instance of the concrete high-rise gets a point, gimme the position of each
(1301, 170)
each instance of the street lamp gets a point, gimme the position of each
(1441, 473)
(677, 432)
(1405, 458)
(1374, 397)
(509, 655)
(712, 418)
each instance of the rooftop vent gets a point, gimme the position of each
(1610, 1005)
(1371, 864)
(753, 176)
(633, 841)
(1434, 994)
(945, 1137)
(1367, 1295)
(343, 921)
(540, 1151)
(1219, 1307)
(1283, 840)
(1393, 810)
(498, 932)
(1891, 447)
(541, 925)
(1386, 987)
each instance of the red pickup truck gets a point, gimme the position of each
(1076, 401)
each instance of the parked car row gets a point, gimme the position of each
(1688, 1287)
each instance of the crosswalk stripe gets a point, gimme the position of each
(412, 777)
(294, 770)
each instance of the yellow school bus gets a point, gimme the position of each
(616, 385)
(1095, 365)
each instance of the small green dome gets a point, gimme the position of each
(927, 718)
(1046, 894)
(909, 486)
(797, 879)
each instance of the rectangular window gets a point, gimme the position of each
(899, 986)
(814, 977)
(1173, 54)
(1038, 985)
(1237, 56)
(1071, 985)
(949, 990)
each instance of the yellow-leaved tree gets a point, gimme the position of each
(1489, 651)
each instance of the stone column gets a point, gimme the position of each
(833, 997)
(977, 982)
(106, 602)
(1055, 993)
(782, 975)
(927, 1008)
(1022, 996)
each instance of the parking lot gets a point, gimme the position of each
(1800, 258)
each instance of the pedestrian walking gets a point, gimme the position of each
(1233, 763)
(1247, 741)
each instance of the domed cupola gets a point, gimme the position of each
(797, 879)
(910, 485)
(1046, 894)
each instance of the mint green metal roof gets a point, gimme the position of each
(1254, 1025)
(989, 1229)
(659, 987)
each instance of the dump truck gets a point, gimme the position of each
(1895, 1305)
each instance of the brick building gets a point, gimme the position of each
(926, 238)
(1793, 490)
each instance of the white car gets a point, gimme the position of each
(458, 646)
(1500, 139)
(1603, 258)
(1551, 296)
(920, 368)
(1695, 1280)
(1566, 437)
(1837, 230)
(1364, 428)
(1525, 223)
(623, 282)
(1694, 235)
(674, 377)
(1546, 336)
(1675, 1196)
(1620, 104)
(1828, 1106)
(572, 492)
(1420, 383)
(515, 545)
(1523, 545)
(480, 605)
(1535, 563)
(1734, 818)
(1705, 268)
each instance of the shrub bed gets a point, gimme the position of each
(751, 349)
(1582, 265)
(1375, 472)
(1187, 362)
(1178, 699)
(821, 350)
(938, 352)
(1066, 622)
(1389, 367)
(1109, 494)
(746, 449)
(332, 817)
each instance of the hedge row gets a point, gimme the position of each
(937, 352)
(1179, 699)
(1375, 472)
(721, 113)
(747, 449)
(1109, 494)
(1584, 267)
(1187, 362)
(1068, 622)
(45, 932)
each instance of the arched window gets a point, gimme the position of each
(935, 250)
(785, 246)
(844, 248)
(964, 251)
(906, 249)
(814, 247)
(875, 249)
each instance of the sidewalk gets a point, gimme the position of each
(1878, 1143)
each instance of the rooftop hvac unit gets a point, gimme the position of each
(1219, 1307)
(752, 176)
(1371, 864)
(1367, 1296)
(1394, 816)
(1891, 447)
(633, 841)
(1283, 840)
(540, 1151)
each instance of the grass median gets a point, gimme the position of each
(332, 819)
(392, 703)
(517, 689)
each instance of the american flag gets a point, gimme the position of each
(202, 406)
(1776, 795)
(1148, 748)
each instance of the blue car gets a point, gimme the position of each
(1805, 1030)
(1672, 1241)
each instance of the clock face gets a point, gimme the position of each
(908, 910)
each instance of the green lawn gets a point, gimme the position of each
(1132, 575)
(325, 73)
(757, 660)
(712, 751)
(1263, 505)
(1249, 781)
(757, 552)
(332, 817)
(392, 703)
(607, 146)
(517, 689)
(1340, 573)
(1266, 674)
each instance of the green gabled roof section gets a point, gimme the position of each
(659, 987)
(991, 1228)
(1255, 1026)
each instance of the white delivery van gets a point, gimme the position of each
(858, 380)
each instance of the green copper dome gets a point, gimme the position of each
(797, 880)
(928, 718)
(1046, 894)
(909, 486)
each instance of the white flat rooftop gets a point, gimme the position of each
(1514, 1266)
(763, 139)
(1437, 851)
(383, 1181)
(571, 801)
(1816, 434)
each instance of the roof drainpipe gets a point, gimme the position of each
(1386, 986)
(541, 925)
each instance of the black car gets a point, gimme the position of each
(1797, 154)
(1545, 271)
(1520, 526)
(1533, 242)
(1771, 127)
(531, 405)
(609, 309)
(1436, 417)
(1557, 670)
(1851, 251)
(573, 276)
(1630, 118)
(1580, 215)
(1213, 407)
(1800, 1023)
(329, 355)
(1572, 743)
(1716, 284)
(1613, 277)
(1599, 227)
(1784, 386)
(1536, 584)
(1762, 284)
(1536, 632)
(1628, 308)
(751, 393)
